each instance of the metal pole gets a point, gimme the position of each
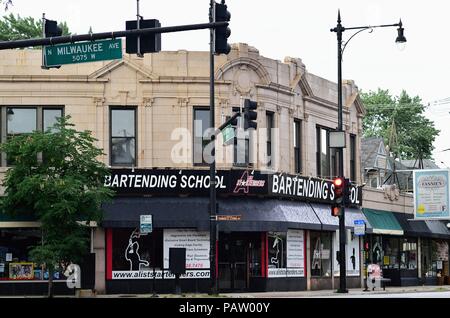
(17, 44)
(138, 26)
(342, 233)
(212, 167)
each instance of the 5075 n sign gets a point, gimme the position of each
(82, 52)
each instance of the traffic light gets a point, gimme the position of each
(341, 191)
(250, 115)
(52, 29)
(336, 210)
(338, 190)
(222, 33)
(149, 43)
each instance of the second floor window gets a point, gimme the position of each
(327, 160)
(24, 120)
(352, 157)
(123, 136)
(201, 125)
(297, 146)
(269, 126)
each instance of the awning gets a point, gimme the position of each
(438, 229)
(331, 223)
(383, 222)
(260, 215)
(256, 215)
(412, 227)
(174, 212)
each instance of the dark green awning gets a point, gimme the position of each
(383, 222)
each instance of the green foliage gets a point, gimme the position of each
(415, 133)
(56, 177)
(18, 28)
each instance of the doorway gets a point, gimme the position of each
(239, 257)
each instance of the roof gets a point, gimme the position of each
(369, 151)
(414, 164)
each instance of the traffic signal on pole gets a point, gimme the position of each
(338, 190)
(336, 210)
(149, 43)
(222, 33)
(250, 115)
(52, 29)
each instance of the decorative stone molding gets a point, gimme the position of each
(391, 192)
(99, 101)
(279, 108)
(291, 112)
(183, 102)
(306, 117)
(148, 101)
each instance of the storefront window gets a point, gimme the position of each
(434, 255)
(391, 253)
(321, 254)
(135, 252)
(15, 262)
(277, 250)
(408, 255)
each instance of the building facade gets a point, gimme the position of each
(150, 116)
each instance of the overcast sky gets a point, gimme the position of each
(302, 29)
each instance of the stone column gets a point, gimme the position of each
(99, 249)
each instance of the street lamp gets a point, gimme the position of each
(339, 30)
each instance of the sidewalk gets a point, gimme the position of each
(333, 293)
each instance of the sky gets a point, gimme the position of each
(302, 29)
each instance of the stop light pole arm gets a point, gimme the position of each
(105, 35)
(225, 124)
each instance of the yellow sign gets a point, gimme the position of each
(421, 209)
(228, 217)
(386, 260)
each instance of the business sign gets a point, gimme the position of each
(159, 274)
(196, 245)
(171, 182)
(228, 217)
(431, 194)
(146, 224)
(360, 227)
(82, 52)
(295, 249)
(310, 189)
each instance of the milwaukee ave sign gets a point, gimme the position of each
(83, 52)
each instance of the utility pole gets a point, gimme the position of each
(212, 167)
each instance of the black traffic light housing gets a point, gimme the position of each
(341, 191)
(52, 29)
(149, 43)
(250, 115)
(222, 33)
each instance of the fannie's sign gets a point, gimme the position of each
(156, 182)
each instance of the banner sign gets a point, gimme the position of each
(170, 182)
(431, 194)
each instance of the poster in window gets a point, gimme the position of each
(431, 194)
(21, 271)
(196, 244)
(277, 246)
(352, 255)
(295, 249)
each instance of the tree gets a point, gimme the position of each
(415, 133)
(17, 28)
(57, 178)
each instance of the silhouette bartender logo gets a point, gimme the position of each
(247, 181)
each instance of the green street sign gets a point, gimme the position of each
(228, 135)
(83, 52)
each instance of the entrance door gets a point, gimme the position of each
(233, 262)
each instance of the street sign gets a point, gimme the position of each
(146, 224)
(229, 217)
(228, 135)
(360, 227)
(82, 52)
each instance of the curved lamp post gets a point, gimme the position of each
(339, 30)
